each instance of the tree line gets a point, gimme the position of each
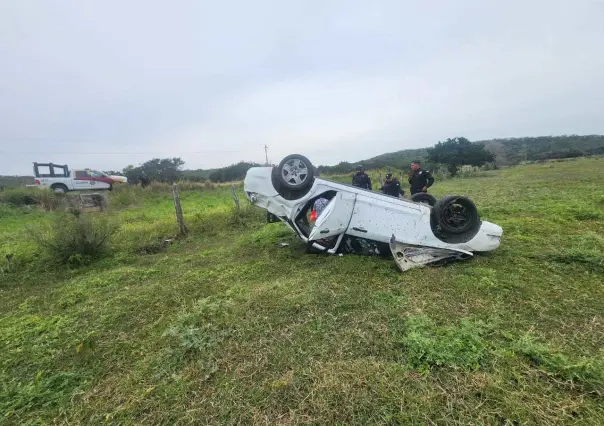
(169, 170)
(451, 153)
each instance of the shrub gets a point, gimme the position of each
(75, 238)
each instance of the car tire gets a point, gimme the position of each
(59, 188)
(296, 172)
(455, 219)
(288, 181)
(424, 198)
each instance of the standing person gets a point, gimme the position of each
(392, 186)
(419, 179)
(361, 179)
(144, 179)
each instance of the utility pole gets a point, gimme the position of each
(266, 153)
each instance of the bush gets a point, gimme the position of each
(75, 238)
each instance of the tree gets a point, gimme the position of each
(232, 173)
(159, 170)
(113, 173)
(458, 152)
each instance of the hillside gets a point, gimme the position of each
(227, 326)
(508, 151)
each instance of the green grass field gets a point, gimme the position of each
(225, 327)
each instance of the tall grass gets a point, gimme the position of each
(43, 198)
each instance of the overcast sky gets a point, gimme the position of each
(104, 84)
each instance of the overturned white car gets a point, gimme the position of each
(416, 232)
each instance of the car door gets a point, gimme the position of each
(81, 180)
(99, 180)
(377, 218)
(335, 218)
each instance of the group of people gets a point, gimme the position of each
(419, 180)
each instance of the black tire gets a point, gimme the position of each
(424, 198)
(296, 172)
(59, 188)
(286, 191)
(455, 219)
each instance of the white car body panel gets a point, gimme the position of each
(364, 214)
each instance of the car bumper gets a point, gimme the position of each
(487, 239)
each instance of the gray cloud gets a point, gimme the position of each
(106, 84)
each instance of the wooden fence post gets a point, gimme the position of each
(182, 228)
(235, 196)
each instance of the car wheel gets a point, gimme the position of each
(296, 172)
(424, 198)
(455, 219)
(59, 188)
(294, 177)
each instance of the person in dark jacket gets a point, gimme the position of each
(361, 179)
(419, 179)
(392, 186)
(144, 179)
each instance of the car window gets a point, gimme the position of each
(60, 171)
(44, 171)
(96, 174)
(81, 174)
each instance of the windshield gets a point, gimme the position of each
(94, 173)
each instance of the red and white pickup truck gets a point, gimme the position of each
(60, 179)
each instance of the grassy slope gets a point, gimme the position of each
(224, 327)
